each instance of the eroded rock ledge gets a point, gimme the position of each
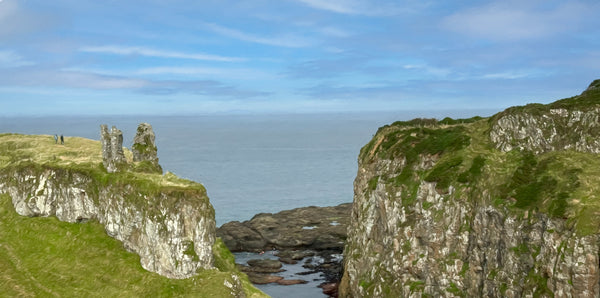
(307, 228)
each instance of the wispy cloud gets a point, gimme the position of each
(358, 7)
(516, 74)
(230, 73)
(31, 77)
(10, 59)
(150, 52)
(512, 21)
(288, 40)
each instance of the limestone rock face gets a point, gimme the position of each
(113, 157)
(561, 129)
(144, 147)
(172, 235)
(444, 245)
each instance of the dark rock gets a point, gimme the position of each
(144, 149)
(248, 269)
(113, 157)
(315, 228)
(330, 289)
(261, 279)
(296, 254)
(307, 272)
(265, 263)
(288, 260)
(239, 237)
(289, 282)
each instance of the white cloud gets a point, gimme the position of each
(72, 79)
(335, 32)
(511, 21)
(229, 73)
(516, 74)
(143, 51)
(358, 7)
(9, 59)
(289, 41)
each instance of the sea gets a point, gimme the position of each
(249, 164)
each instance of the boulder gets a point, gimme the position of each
(265, 263)
(289, 282)
(261, 279)
(330, 289)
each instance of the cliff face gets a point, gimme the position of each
(174, 237)
(168, 221)
(499, 207)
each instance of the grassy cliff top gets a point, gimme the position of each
(84, 155)
(562, 184)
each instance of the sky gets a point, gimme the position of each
(170, 57)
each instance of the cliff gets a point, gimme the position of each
(499, 207)
(167, 221)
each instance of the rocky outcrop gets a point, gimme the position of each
(144, 149)
(113, 157)
(313, 228)
(558, 126)
(560, 129)
(435, 217)
(172, 230)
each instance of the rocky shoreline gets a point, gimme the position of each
(313, 235)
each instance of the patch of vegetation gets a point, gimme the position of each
(453, 288)
(539, 284)
(365, 284)
(416, 286)
(543, 183)
(190, 251)
(474, 171)
(450, 121)
(146, 166)
(521, 249)
(373, 182)
(445, 172)
(412, 143)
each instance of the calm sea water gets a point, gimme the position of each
(249, 164)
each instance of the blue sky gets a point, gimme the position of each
(203, 57)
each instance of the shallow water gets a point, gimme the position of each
(308, 290)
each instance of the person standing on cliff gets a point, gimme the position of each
(62, 140)
(55, 139)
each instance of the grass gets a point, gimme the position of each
(47, 257)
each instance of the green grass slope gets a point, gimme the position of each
(46, 257)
